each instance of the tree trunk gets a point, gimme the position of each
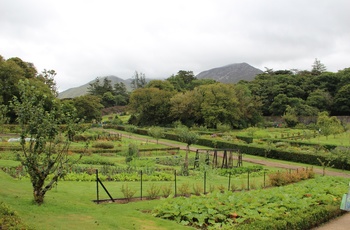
(186, 161)
(38, 196)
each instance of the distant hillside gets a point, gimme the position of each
(231, 73)
(82, 90)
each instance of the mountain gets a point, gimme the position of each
(226, 74)
(231, 73)
(82, 90)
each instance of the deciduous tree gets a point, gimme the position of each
(44, 141)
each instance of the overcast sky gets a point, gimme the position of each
(85, 39)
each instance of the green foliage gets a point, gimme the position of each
(96, 160)
(9, 219)
(296, 206)
(133, 152)
(109, 96)
(4, 119)
(184, 189)
(156, 133)
(103, 145)
(198, 189)
(88, 107)
(130, 128)
(283, 178)
(151, 105)
(182, 81)
(239, 170)
(290, 117)
(127, 192)
(45, 151)
(153, 191)
(223, 128)
(166, 190)
(188, 137)
(329, 125)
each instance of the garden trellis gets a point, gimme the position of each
(226, 154)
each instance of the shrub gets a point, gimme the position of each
(233, 187)
(127, 192)
(103, 145)
(184, 189)
(153, 191)
(221, 188)
(166, 190)
(283, 178)
(9, 218)
(197, 189)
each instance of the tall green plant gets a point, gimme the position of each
(132, 152)
(156, 132)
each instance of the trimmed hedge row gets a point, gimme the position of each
(298, 143)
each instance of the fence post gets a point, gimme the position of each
(175, 182)
(97, 192)
(229, 181)
(205, 182)
(248, 179)
(141, 184)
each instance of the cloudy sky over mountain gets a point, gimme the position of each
(84, 39)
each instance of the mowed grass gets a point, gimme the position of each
(70, 206)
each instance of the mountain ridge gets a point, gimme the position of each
(231, 73)
(83, 89)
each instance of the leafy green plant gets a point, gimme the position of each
(9, 218)
(103, 145)
(133, 151)
(296, 206)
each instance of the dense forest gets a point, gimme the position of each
(193, 102)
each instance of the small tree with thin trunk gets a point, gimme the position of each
(188, 137)
(156, 132)
(44, 139)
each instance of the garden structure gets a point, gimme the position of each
(226, 154)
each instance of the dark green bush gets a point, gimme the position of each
(103, 145)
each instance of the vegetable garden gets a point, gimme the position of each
(246, 197)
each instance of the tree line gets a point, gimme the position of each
(182, 97)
